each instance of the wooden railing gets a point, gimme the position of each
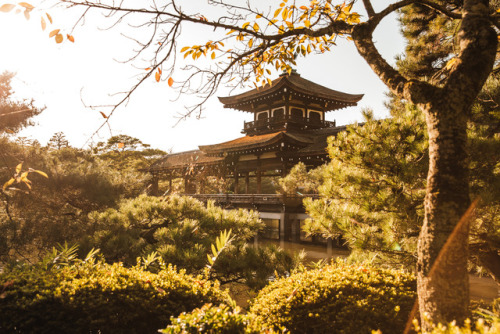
(280, 120)
(252, 198)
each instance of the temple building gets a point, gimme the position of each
(288, 126)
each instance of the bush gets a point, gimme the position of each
(479, 327)
(338, 299)
(212, 319)
(182, 231)
(98, 297)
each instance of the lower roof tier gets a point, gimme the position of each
(286, 145)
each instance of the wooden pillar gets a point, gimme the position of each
(247, 183)
(295, 230)
(259, 176)
(259, 182)
(153, 186)
(329, 246)
(282, 227)
(236, 180)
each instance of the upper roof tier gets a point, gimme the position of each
(293, 84)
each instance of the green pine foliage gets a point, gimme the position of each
(337, 298)
(14, 114)
(56, 208)
(181, 230)
(95, 297)
(373, 187)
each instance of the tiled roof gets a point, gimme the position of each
(296, 85)
(184, 159)
(253, 142)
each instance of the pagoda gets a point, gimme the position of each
(288, 126)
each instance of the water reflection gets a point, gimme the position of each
(313, 252)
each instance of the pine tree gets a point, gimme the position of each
(58, 141)
(14, 115)
(377, 202)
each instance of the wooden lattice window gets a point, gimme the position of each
(262, 115)
(314, 117)
(279, 113)
(297, 113)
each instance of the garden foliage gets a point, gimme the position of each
(337, 298)
(182, 230)
(93, 297)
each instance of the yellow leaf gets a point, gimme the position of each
(277, 12)
(26, 5)
(8, 183)
(49, 17)
(284, 13)
(103, 114)
(44, 24)
(450, 63)
(170, 81)
(230, 32)
(258, 16)
(41, 173)
(307, 23)
(27, 14)
(246, 24)
(54, 33)
(59, 38)
(256, 27)
(7, 7)
(70, 38)
(303, 7)
(27, 183)
(250, 43)
(19, 167)
(184, 49)
(157, 76)
(213, 55)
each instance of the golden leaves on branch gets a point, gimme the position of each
(21, 177)
(7, 7)
(26, 8)
(260, 56)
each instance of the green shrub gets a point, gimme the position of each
(212, 319)
(479, 327)
(337, 298)
(92, 297)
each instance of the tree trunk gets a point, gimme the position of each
(444, 290)
(442, 279)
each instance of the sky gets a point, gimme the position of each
(67, 78)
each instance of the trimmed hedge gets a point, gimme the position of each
(212, 319)
(93, 297)
(337, 298)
